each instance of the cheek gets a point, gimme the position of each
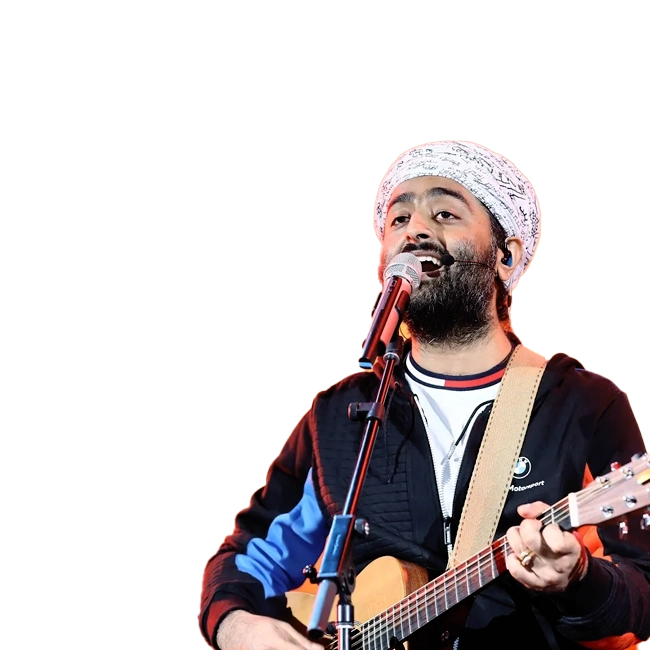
(390, 246)
(385, 257)
(386, 254)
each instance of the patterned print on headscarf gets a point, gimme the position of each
(490, 177)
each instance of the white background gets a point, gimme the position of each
(187, 255)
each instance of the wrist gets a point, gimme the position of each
(581, 567)
(589, 593)
(226, 628)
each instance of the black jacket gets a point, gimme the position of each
(581, 423)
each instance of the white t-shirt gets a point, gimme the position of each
(449, 406)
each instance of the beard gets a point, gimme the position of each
(454, 308)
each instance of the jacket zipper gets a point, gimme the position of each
(446, 516)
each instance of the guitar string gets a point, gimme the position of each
(388, 621)
(498, 550)
(430, 600)
(472, 568)
(430, 594)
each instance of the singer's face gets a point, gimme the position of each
(431, 216)
(437, 211)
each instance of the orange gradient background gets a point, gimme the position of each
(586, 291)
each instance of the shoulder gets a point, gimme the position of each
(359, 383)
(566, 372)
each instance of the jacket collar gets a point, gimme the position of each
(558, 367)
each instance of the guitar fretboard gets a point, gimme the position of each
(427, 603)
(441, 594)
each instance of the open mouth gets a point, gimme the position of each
(430, 265)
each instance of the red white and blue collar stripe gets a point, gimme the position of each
(455, 382)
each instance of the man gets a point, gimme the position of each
(472, 220)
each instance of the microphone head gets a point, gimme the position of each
(447, 259)
(407, 266)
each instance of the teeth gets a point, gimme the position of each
(427, 258)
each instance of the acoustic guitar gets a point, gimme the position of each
(395, 599)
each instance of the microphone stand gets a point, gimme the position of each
(337, 573)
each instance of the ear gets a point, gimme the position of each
(506, 264)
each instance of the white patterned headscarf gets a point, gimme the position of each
(490, 177)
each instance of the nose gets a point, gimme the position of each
(419, 228)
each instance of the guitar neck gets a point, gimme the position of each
(441, 594)
(617, 493)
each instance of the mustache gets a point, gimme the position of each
(426, 247)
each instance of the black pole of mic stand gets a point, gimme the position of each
(337, 573)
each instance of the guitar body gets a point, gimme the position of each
(393, 602)
(383, 583)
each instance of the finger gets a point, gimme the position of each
(526, 576)
(519, 551)
(532, 510)
(303, 641)
(560, 542)
(530, 531)
(527, 567)
(514, 541)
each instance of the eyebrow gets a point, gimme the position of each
(432, 193)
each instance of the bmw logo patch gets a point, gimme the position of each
(522, 467)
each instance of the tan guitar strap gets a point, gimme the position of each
(498, 454)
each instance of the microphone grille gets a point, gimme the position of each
(407, 266)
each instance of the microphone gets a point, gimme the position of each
(402, 275)
(448, 260)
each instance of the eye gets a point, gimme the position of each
(400, 219)
(444, 215)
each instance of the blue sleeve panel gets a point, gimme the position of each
(294, 540)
